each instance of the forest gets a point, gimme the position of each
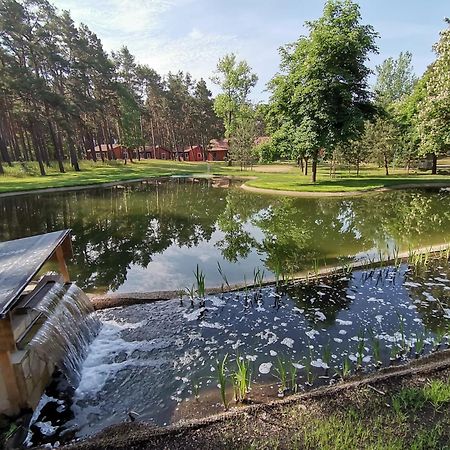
(62, 93)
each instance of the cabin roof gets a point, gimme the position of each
(21, 260)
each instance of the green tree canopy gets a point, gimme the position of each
(323, 88)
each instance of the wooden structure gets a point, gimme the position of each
(116, 152)
(23, 375)
(218, 150)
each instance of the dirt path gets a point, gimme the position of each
(297, 421)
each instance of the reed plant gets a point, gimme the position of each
(195, 388)
(346, 369)
(242, 380)
(419, 344)
(190, 292)
(293, 379)
(308, 369)
(222, 380)
(326, 354)
(360, 349)
(258, 278)
(223, 276)
(282, 372)
(200, 279)
(376, 347)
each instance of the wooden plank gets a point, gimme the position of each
(64, 271)
(9, 379)
(7, 342)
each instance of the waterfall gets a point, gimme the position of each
(70, 326)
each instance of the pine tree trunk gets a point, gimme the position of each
(56, 147)
(306, 166)
(386, 165)
(37, 150)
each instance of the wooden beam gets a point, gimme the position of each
(7, 342)
(9, 379)
(62, 263)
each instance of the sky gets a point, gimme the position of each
(191, 35)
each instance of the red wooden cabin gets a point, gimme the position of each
(118, 151)
(218, 150)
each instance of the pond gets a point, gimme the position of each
(151, 235)
(159, 362)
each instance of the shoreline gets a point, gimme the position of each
(244, 186)
(113, 300)
(355, 193)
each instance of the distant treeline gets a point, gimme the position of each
(61, 93)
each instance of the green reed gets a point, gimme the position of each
(346, 369)
(222, 379)
(200, 279)
(258, 277)
(223, 276)
(241, 380)
(190, 292)
(281, 371)
(360, 349)
(419, 344)
(293, 383)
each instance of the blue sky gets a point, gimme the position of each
(190, 35)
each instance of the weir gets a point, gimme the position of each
(45, 320)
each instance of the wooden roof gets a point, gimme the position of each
(21, 260)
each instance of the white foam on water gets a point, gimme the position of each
(312, 334)
(320, 315)
(194, 315)
(288, 342)
(344, 322)
(298, 366)
(320, 364)
(214, 325)
(268, 336)
(216, 301)
(264, 368)
(273, 353)
(99, 365)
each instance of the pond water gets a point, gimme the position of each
(149, 361)
(151, 235)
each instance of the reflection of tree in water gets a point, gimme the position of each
(328, 298)
(237, 241)
(432, 312)
(115, 228)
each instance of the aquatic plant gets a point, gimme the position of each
(222, 379)
(395, 351)
(376, 347)
(224, 277)
(345, 370)
(281, 370)
(200, 279)
(191, 294)
(258, 277)
(401, 329)
(419, 344)
(360, 349)
(308, 369)
(438, 338)
(326, 354)
(195, 388)
(277, 270)
(241, 380)
(293, 379)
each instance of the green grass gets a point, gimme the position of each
(18, 178)
(26, 177)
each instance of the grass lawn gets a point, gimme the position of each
(284, 177)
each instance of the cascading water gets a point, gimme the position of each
(70, 326)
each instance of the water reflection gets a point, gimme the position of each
(151, 235)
